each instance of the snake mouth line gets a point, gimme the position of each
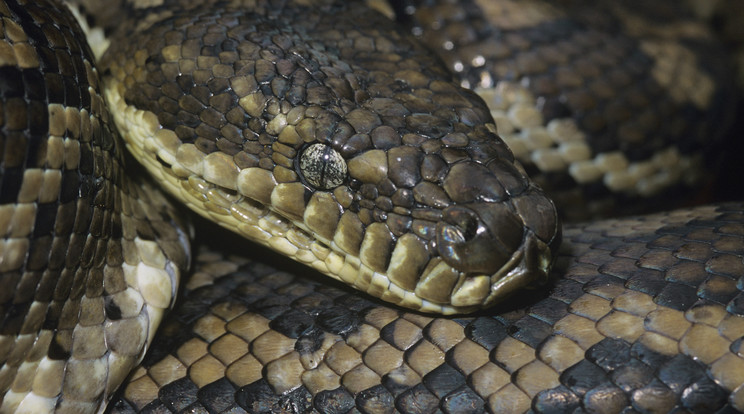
(319, 131)
(448, 274)
(440, 288)
(396, 183)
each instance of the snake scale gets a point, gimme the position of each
(324, 131)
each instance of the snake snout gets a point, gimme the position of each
(500, 234)
(480, 238)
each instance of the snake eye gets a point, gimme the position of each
(322, 167)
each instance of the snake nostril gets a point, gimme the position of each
(468, 240)
(464, 221)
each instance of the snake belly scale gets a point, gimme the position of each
(321, 130)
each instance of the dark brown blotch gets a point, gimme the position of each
(403, 166)
(468, 182)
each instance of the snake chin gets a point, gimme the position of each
(493, 250)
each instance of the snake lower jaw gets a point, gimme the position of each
(481, 252)
(529, 268)
(439, 287)
(491, 268)
(444, 290)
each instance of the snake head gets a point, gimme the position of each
(331, 136)
(450, 224)
(499, 243)
(456, 236)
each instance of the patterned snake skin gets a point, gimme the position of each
(90, 257)
(602, 105)
(330, 136)
(435, 214)
(646, 315)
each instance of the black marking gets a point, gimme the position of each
(14, 316)
(677, 296)
(557, 400)
(336, 401)
(647, 355)
(11, 82)
(258, 397)
(679, 372)
(394, 387)
(486, 332)
(112, 310)
(217, 397)
(339, 321)
(549, 310)
(443, 380)
(417, 400)
(705, 396)
(648, 281)
(292, 323)
(463, 401)
(70, 186)
(736, 305)
(310, 342)
(179, 394)
(584, 376)
(374, 400)
(46, 215)
(632, 376)
(532, 331)
(57, 351)
(609, 354)
(10, 184)
(272, 307)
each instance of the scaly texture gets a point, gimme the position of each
(347, 145)
(605, 103)
(646, 314)
(89, 259)
(327, 134)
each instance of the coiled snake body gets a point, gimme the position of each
(322, 131)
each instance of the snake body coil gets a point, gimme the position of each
(646, 315)
(90, 257)
(323, 131)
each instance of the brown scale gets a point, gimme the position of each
(604, 67)
(628, 289)
(69, 221)
(645, 313)
(252, 93)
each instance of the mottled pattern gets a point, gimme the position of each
(421, 204)
(644, 314)
(725, 16)
(89, 259)
(434, 213)
(605, 103)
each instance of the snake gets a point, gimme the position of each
(388, 147)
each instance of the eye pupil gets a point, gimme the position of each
(322, 167)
